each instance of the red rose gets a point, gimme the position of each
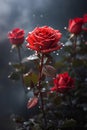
(84, 27)
(75, 25)
(44, 39)
(63, 82)
(16, 36)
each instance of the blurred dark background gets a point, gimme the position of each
(27, 14)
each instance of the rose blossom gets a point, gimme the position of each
(16, 36)
(75, 25)
(63, 82)
(44, 39)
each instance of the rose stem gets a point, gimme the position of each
(39, 87)
(73, 53)
(19, 55)
(74, 47)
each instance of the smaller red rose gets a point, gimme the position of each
(75, 25)
(63, 82)
(16, 36)
(44, 39)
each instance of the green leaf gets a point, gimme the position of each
(17, 66)
(30, 78)
(79, 62)
(14, 76)
(59, 64)
(57, 100)
(69, 123)
(19, 119)
(36, 127)
(49, 70)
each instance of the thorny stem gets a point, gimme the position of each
(19, 55)
(39, 87)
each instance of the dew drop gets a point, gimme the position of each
(57, 54)
(54, 52)
(9, 63)
(46, 82)
(14, 119)
(44, 89)
(39, 107)
(28, 88)
(41, 16)
(65, 28)
(26, 123)
(50, 121)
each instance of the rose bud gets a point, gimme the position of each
(16, 36)
(75, 25)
